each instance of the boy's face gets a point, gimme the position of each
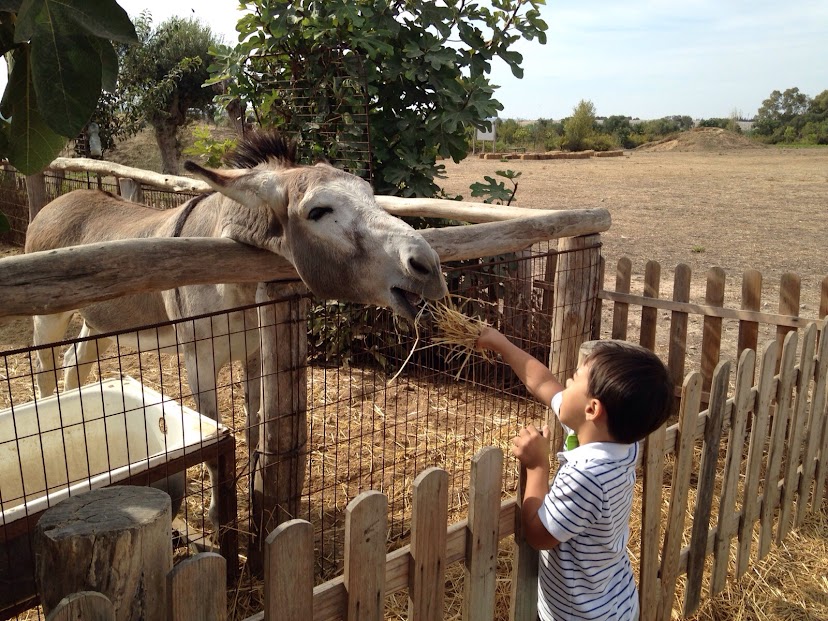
(575, 399)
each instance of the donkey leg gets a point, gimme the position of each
(80, 357)
(48, 329)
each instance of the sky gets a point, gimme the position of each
(640, 58)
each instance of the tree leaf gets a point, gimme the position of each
(66, 72)
(103, 18)
(32, 144)
(109, 64)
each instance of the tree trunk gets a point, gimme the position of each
(166, 135)
(114, 541)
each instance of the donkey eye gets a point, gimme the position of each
(317, 213)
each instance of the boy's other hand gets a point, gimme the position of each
(531, 447)
(490, 338)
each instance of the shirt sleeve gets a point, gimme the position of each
(572, 505)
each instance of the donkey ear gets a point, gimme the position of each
(242, 185)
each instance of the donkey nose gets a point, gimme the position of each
(418, 267)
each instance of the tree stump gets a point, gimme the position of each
(115, 541)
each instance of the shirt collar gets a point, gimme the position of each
(597, 450)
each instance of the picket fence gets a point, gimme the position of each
(758, 454)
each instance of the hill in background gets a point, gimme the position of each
(703, 139)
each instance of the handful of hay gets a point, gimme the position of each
(456, 330)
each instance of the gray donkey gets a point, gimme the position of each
(324, 221)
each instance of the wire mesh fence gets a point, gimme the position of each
(365, 430)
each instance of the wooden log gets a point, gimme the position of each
(197, 589)
(707, 482)
(576, 287)
(89, 543)
(620, 310)
(278, 463)
(83, 606)
(101, 167)
(288, 590)
(68, 278)
(429, 520)
(481, 551)
(364, 574)
(682, 469)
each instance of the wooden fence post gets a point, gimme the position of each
(649, 314)
(282, 445)
(576, 291)
(817, 426)
(682, 469)
(677, 348)
(365, 530)
(756, 449)
(36, 193)
(429, 521)
(620, 310)
(288, 588)
(83, 606)
(712, 331)
(707, 481)
(777, 442)
(789, 293)
(751, 301)
(524, 591)
(482, 535)
(197, 589)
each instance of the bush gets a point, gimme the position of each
(602, 142)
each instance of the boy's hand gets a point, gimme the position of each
(491, 339)
(531, 447)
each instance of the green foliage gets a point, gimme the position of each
(61, 57)
(418, 69)
(580, 127)
(205, 146)
(496, 191)
(791, 117)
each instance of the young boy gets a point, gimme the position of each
(619, 395)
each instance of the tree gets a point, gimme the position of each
(164, 77)
(580, 127)
(779, 110)
(60, 57)
(418, 70)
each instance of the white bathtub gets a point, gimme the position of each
(89, 438)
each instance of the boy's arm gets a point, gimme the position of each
(537, 486)
(532, 372)
(531, 447)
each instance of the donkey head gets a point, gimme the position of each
(326, 222)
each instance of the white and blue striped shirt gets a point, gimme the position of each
(588, 576)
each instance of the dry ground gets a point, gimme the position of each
(737, 209)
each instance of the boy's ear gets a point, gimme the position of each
(595, 410)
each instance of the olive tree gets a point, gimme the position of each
(423, 68)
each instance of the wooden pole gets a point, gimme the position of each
(279, 462)
(115, 541)
(36, 192)
(576, 293)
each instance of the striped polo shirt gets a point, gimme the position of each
(589, 574)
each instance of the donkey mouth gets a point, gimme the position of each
(407, 302)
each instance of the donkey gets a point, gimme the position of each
(326, 222)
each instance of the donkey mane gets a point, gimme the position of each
(261, 148)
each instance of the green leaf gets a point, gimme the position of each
(103, 18)
(66, 72)
(109, 64)
(32, 144)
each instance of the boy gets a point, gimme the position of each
(619, 395)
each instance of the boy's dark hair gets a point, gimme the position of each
(633, 385)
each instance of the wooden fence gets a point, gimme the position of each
(773, 430)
